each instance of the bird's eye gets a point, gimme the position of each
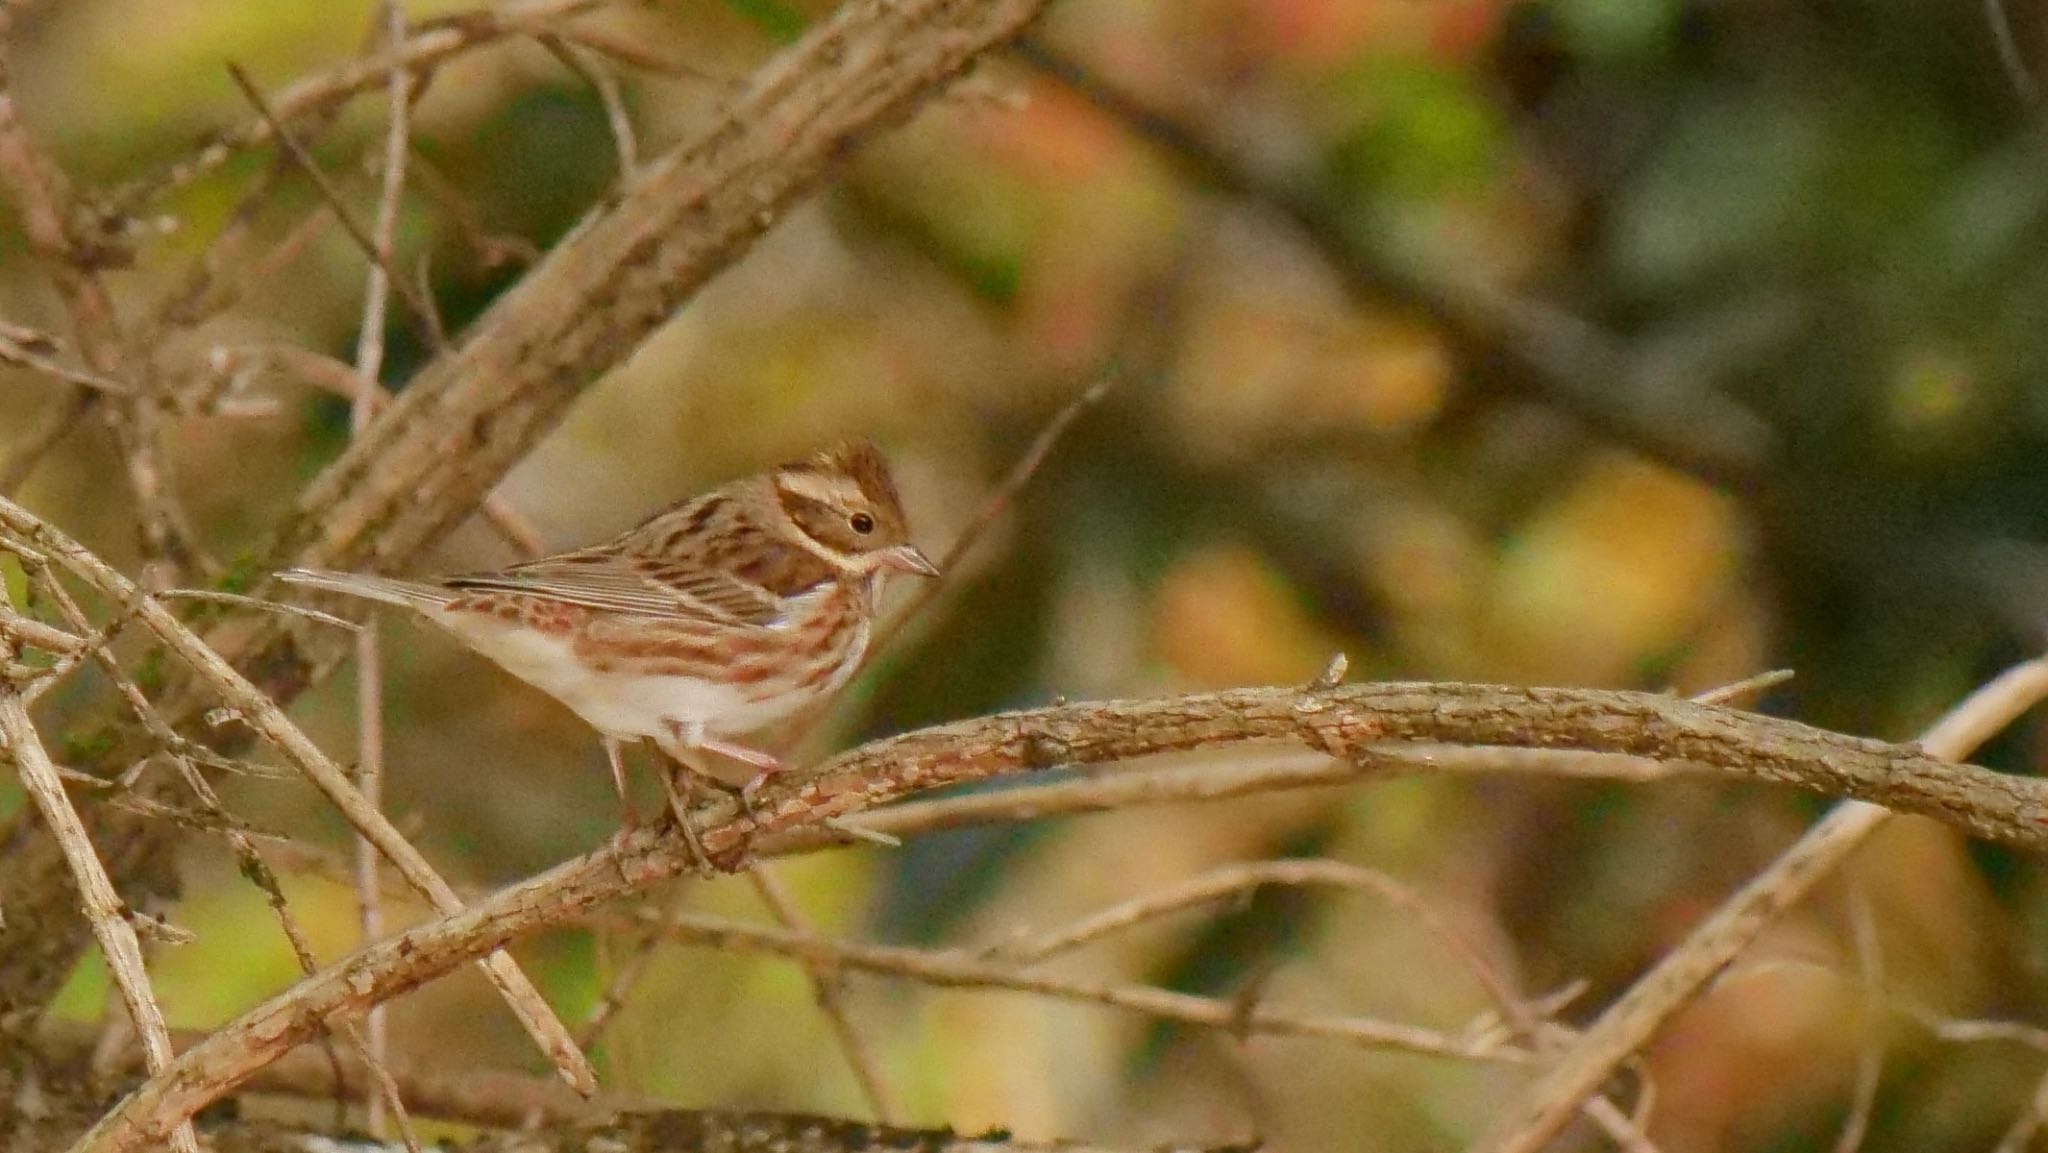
(863, 523)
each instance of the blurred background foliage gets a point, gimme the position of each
(1641, 344)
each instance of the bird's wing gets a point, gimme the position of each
(644, 586)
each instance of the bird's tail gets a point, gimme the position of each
(411, 594)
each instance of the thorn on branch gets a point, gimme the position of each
(1244, 1004)
(1043, 750)
(1332, 674)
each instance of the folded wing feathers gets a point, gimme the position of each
(617, 584)
(388, 589)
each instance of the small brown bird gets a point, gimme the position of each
(712, 619)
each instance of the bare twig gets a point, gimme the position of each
(629, 976)
(1870, 1047)
(997, 503)
(369, 368)
(1241, 879)
(103, 907)
(264, 716)
(32, 446)
(599, 75)
(340, 379)
(21, 630)
(952, 969)
(609, 282)
(1745, 688)
(24, 348)
(1343, 721)
(2009, 57)
(1549, 1103)
(395, 281)
(214, 596)
(431, 44)
(829, 986)
(38, 191)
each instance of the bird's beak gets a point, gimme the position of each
(907, 558)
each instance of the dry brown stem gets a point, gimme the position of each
(1341, 721)
(961, 970)
(434, 42)
(671, 1130)
(1548, 1104)
(369, 367)
(828, 985)
(31, 350)
(468, 417)
(263, 715)
(103, 907)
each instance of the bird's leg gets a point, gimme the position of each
(679, 797)
(765, 765)
(614, 752)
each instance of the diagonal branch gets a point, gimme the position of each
(465, 419)
(1341, 721)
(265, 717)
(102, 906)
(1633, 1019)
(73, 262)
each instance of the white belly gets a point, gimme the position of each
(629, 707)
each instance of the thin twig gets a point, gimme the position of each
(2009, 58)
(600, 77)
(829, 986)
(957, 970)
(1242, 879)
(1870, 1048)
(369, 368)
(24, 348)
(103, 907)
(996, 504)
(265, 717)
(433, 42)
(629, 976)
(420, 310)
(1548, 1104)
(338, 378)
(1747, 687)
(29, 450)
(35, 634)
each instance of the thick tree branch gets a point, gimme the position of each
(1342, 721)
(671, 1130)
(430, 457)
